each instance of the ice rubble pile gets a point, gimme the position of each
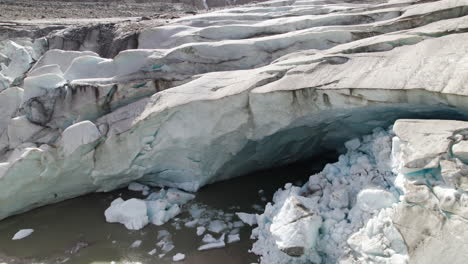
(214, 96)
(387, 200)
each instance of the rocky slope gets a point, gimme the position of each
(213, 96)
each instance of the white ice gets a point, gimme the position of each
(178, 257)
(22, 234)
(249, 219)
(132, 213)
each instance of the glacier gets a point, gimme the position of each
(214, 96)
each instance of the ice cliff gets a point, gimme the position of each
(214, 96)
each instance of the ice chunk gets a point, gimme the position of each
(175, 196)
(165, 244)
(249, 219)
(374, 199)
(78, 135)
(20, 130)
(353, 144)
(192, 223)
(178, 257)
(233, 238)
(212, 242)
(47, 69)
(5, 82)
(208, 238)
(217, 226)
(87, 67)
(160, 211)
(20, 60)
(35, 86)
(196, 211)
(152, 252)
(164, 205)
(295, 227)
(219, 244)
(22, 234)
(163, 233)
(200, 230)
(136, 244)
(238, 224)
(61, 58)
(132, 213)
(137, 187)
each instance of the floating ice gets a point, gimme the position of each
(132, 213)
(158, 208)
(136, 244)
(178, 257)
(160, 211)
(233, 238)
(165, 244)
(212, 242)
(165, 204)
(217, 226)
(208, 238)
(152, 252)
(22, 234)
(192, 223)
(200, 230)
(249, 219)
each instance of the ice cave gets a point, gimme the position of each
(272, 132)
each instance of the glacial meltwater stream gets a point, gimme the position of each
(75, 231)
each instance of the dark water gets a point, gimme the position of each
(75, 231)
